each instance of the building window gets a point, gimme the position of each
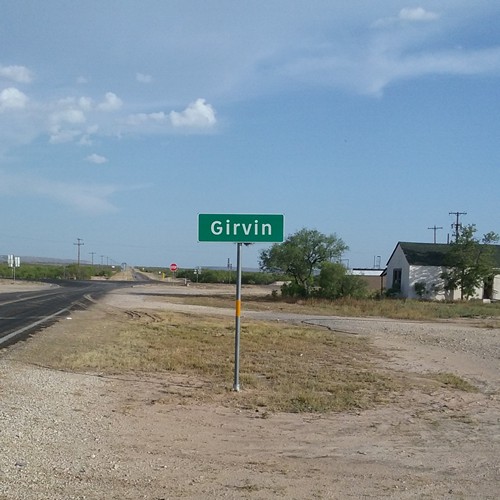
(396, 278)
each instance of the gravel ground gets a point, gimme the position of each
(77, 436)
(51, 423)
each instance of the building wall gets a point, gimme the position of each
(496, 287)
(398, 261)
(372, 277)
(431, 276)
(434, 284)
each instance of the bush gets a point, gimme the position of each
(420, 289)
(334, 283)
(293, 290)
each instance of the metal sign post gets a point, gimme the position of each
(236, 385)
(239, 229)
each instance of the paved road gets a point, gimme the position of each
(24, 313)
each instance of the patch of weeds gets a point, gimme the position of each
(454, 382)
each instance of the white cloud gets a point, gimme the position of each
(140, 118)
(85, 139)
(384, 69)
(18, 74)
(407, 14)
(63, 125)
(90, 199)
(58, 135)
(142, 78)
(67, 118)
(12, 98)
(85, 103)
(386, 57)
(70, 115)
(111, 102)
(197, 114)
(97, 159)
(417, 14)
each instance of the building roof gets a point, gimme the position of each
(433, 254)
(425, 254)
(362, 271)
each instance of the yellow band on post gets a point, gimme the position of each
(238, 308)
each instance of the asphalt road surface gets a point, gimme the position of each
(24, 313)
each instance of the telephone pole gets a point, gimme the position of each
(79, 243)
(457, 224)
(92, 253)
(435, 228)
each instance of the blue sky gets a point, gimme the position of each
(121, 120)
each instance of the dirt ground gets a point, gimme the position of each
(74, 436)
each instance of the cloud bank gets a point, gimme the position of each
(342, 50)
(88, 199)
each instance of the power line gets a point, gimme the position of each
(79, 243)
(435, 228)
(457, 224)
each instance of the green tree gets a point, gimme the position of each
(470, 262)
(334, 282)
(300, 256)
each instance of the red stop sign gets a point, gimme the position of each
(173, 267)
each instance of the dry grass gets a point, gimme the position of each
(282, 367)
(387, 308)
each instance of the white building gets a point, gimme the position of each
(422, 264)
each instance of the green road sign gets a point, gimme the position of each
(241, 228)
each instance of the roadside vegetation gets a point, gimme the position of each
(38, 272)
(214, 276)
(487, 314)
(283, 367)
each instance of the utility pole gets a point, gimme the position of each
(435, 228)
(79, 243)
(457, 224)
(92, 253)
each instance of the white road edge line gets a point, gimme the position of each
(32, 325)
